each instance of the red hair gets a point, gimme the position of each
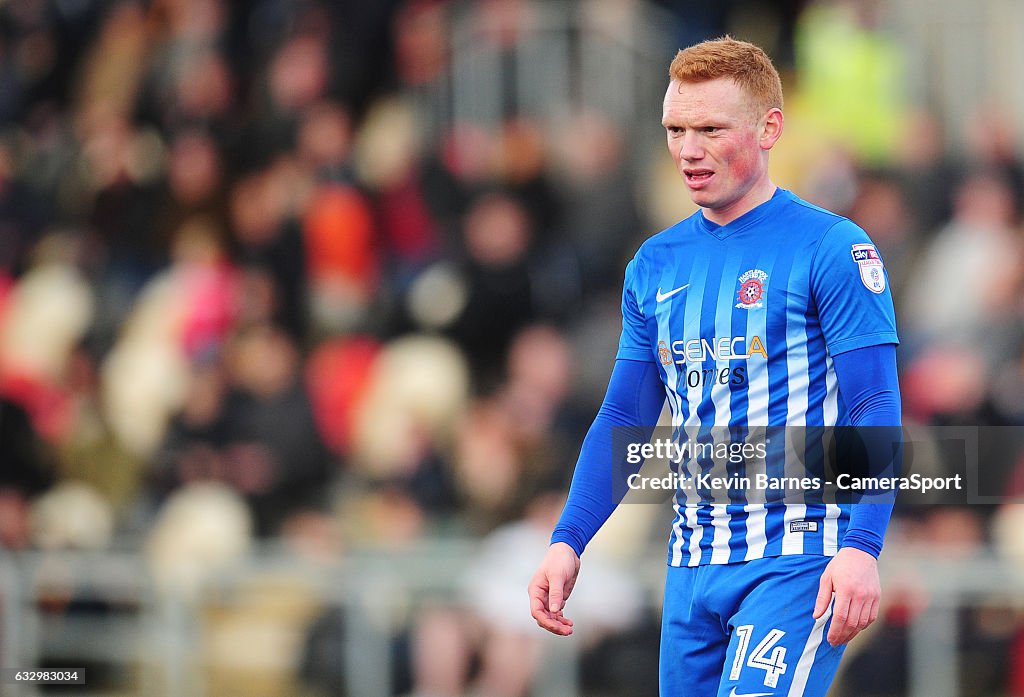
(744, 62)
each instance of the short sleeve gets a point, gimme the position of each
(851, 291)
(634, 344)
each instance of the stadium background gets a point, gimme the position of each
(305, 307)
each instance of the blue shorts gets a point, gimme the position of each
(746, 630)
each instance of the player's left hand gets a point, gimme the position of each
(852, 576)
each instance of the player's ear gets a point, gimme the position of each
(772, 131)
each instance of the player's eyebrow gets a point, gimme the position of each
(697, 126)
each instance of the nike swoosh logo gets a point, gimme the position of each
(733, 693)
(665, 296)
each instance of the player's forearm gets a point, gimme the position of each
(867, 378)
(872, 510)
(633, 402)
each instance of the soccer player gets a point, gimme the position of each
(759, 310)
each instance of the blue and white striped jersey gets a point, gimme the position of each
(743, 320)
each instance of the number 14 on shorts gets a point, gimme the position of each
(766, 655)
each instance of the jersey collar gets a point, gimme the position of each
(754, 215)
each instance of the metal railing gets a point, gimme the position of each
(159, 637)
(562, 59)
(959, 57)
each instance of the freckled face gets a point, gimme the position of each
(720, 145)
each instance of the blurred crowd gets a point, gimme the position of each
(246, 295)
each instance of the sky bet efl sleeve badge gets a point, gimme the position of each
(872, 273)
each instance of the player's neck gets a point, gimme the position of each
(758, 194)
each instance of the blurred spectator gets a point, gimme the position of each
(195, 185)
(879, 666)
(23, 215)
(209, 286)
(522, 168)
(548, 416)
(1008, 544)
(539, 381)
(500, 297)
(191, 86)
(46, 314)
(42, 50)
(121, 191)
(338, 375)
(1008, 389)
(600, 216)
(270, 246)
(405, 423)
(524, 437)
(421, 41)
(26, 473)
(490, 467)
(832, 181)
(389, 159)
(460, 167)
(695, 23)
(341, 256)
(195, 435)
(927, 171)
(89, 451)
(113, 65)
(324, 140)
(189, 83)
(850, 76)
(200, 530)
(386, 517)
(881, 207)
(298, 76)
(978, 244)
(944, 384)
(274, 454)
(252, 429)
(72, 515)
(491, 631)
(184, 312)
(992, 145)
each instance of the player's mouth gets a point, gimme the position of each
(697, 178)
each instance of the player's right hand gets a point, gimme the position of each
(551, 587)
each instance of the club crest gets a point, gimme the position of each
(872, 272)
(752, 287)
